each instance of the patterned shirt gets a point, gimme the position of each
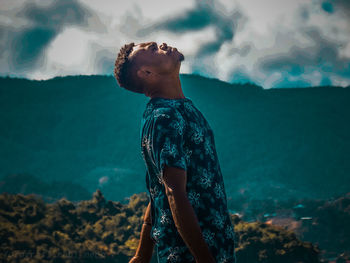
(175, 132)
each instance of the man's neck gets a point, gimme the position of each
(170, 88)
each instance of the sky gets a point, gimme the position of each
(272, 43)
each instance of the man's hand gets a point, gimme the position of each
(184, 216)
(138, 259)
(144, 250)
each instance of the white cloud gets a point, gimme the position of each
(264, 14)
(151, 9)
(68, 54)
(266, 29)
(70, 47)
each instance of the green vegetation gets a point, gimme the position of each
(97, 230)
(260, 242)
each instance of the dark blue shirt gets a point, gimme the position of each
(175, 132)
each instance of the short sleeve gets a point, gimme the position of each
(168, 139)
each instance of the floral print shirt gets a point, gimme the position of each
(175, 132)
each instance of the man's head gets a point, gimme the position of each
(146, 64)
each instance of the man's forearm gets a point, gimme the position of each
(146, 244)
(188, 227)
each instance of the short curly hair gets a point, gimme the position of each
(124, 70)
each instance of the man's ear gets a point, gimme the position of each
(143, 73)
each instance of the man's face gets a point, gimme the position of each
(161, 59)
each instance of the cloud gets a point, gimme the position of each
(242, 51)
(271, 43)
(322, 55)
(202, 15)
(339, 6)
(327, 7)
(311, 47)
(27, 42)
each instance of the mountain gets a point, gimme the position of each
(277, 143)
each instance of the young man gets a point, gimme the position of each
(187, 216)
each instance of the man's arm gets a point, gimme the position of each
(145, 248)
(184, 216)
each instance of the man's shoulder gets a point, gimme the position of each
(162, 112)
